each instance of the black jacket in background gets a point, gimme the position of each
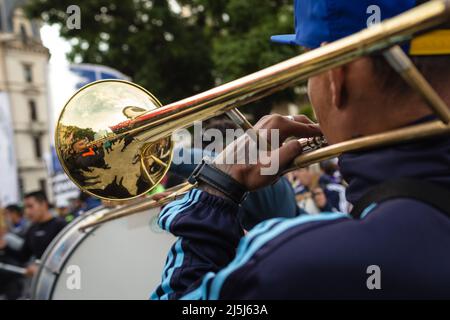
(37, 238)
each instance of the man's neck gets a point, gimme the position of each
(388, 117)
(46, 217)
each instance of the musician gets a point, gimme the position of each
(321, 201)
(17, 223)
(394, 247)
(43, 230)
(89, 157)
(17, 227)
(11, 285)
(304, 181)
(331, 183)
(276, 200)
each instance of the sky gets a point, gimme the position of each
(62, 81)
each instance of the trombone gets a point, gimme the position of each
(113, 137)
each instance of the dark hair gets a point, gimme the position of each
(38, 195)
(436, 69)
(221, 123)
(15, 208)
(83, 197)
(328, 167)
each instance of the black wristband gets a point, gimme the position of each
(207, 173)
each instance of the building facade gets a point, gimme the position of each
(23, 77)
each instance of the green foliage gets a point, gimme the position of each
(172, 54)
(143, 39)
(308, 111)
(240, 35)
(80, 134)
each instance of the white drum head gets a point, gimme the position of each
(121, 259)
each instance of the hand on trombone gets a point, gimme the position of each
(275, 159)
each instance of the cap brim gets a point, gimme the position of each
(285, 39)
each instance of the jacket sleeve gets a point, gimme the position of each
(208, 232)
(24, 253)
(213, 260)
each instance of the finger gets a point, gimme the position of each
(290, 129)
(300, 130)
(305, 120)
(287, 127)
(288, 152)
(301, 118)
(272, 120)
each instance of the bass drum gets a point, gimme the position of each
(120, 259)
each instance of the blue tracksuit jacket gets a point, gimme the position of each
(323, 256)
(276, 200)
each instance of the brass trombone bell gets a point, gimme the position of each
(113, 136)
(95, 149)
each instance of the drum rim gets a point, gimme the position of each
(45, 274)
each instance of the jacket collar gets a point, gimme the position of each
(426, 159)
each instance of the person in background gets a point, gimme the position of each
(17, 224)
(65, 213)
(12, 229)
(329, 172)
(81, 204)
(17, 227)
(88, 202)
(43, 230)
(11, 285)
(331, 183)
(303, 183)
(321, 201)
(75, 207)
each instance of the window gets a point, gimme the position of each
(23, 34)
(43, 185)
(28, 72)
(37, 147)
(21, 188)
(33, 110)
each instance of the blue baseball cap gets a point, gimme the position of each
(319, 21)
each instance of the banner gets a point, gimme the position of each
(9, 191)
(91, 72)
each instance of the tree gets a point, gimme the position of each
(175, 54)
(143, 39)
(240, 33)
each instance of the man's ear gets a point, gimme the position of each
(336, 78)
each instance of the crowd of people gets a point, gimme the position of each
(319, 190)
(26, 230)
